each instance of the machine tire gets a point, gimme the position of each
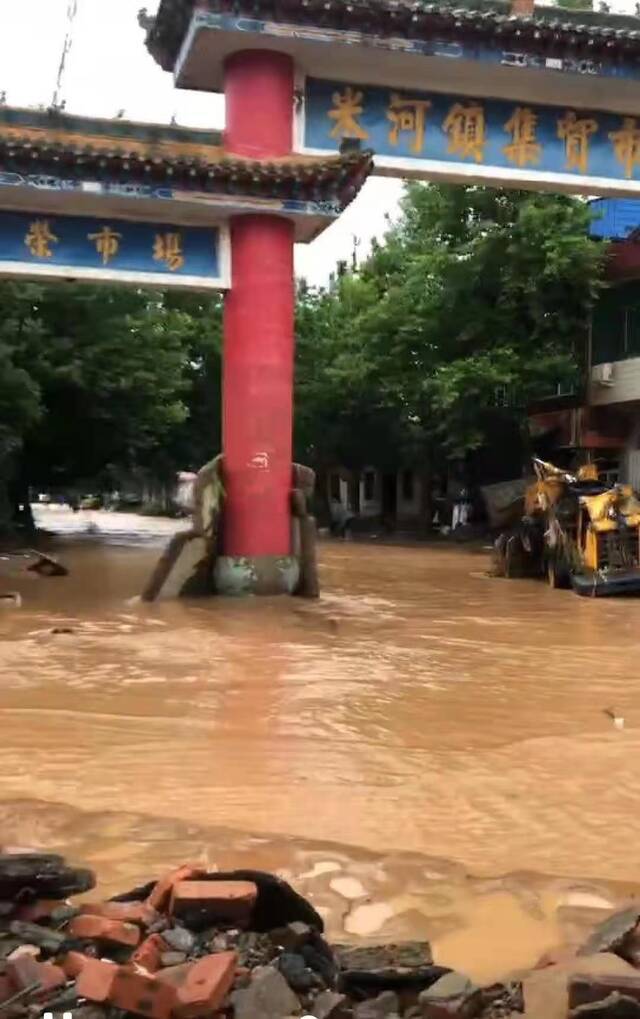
(514, 558)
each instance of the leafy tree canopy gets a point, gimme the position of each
(476, 297)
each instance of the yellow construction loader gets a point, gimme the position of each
(576, 531)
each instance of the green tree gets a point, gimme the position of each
(476, 298)
(97, 380)
(575, 5)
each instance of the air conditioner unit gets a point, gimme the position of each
(604, 374)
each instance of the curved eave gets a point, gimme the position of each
(308, 178)
(550, 30)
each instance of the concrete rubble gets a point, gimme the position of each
(245, 945)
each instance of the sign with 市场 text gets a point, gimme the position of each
(47, 246)
(432, 135)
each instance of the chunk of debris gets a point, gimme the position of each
(47, 566)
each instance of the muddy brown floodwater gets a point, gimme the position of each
(396, 749)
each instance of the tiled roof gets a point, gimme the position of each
(548, 29)
(184, 166)
(119, 151)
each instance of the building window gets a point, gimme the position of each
(335, 486)
(407, 486)
(369, 486)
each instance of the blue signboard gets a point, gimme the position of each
(434, 135)
(614, 219)
(154, 254)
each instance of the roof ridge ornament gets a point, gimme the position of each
(145, 20)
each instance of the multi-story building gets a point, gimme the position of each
(602, 421)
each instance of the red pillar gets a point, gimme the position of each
(258, 322)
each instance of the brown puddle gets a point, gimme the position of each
(420, 711)
(487, 927)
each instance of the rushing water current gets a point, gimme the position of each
(419, 724)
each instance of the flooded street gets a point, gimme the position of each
(420, 724)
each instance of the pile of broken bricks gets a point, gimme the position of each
(242, 945)
(246, 945)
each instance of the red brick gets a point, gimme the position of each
(148, 953)
(160, 897)
(143, 994)
(100, 928)
(73, 962)
(221, 900)
(35, 911)
(176, 976)
(94, 977)
(26, 970)
(201, 986)
(129, 912)
(126, 988)
(524, 8)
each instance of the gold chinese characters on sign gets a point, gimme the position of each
(39, 239)
(465, 127)
(472, 130)
(107, 243)
(347, 108)
(168, 249)
(523, 147)
(626, 145)
(576, 132)
(408, 115)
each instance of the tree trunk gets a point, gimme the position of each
(21, 512)
(426, 505)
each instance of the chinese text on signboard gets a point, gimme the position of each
(42, 244)
(508, 136)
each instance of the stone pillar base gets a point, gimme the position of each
(240, 575)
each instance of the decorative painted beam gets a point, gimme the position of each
(545, 31)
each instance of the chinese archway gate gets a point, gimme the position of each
(497, 92)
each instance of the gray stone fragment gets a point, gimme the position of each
(615, 1006)
(405, 955)
(610, 935)
(292, 936)
(296, 972)
(451, 985)
(64, 913)
(382, 1007)
(267, 997)
(329, 1005)
(179, 938)
(32, 933)
(173, 958)
(453, 992)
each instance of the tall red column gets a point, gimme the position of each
(258, 322)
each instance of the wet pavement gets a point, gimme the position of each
(421, 723)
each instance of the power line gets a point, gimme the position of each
(72, 10)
